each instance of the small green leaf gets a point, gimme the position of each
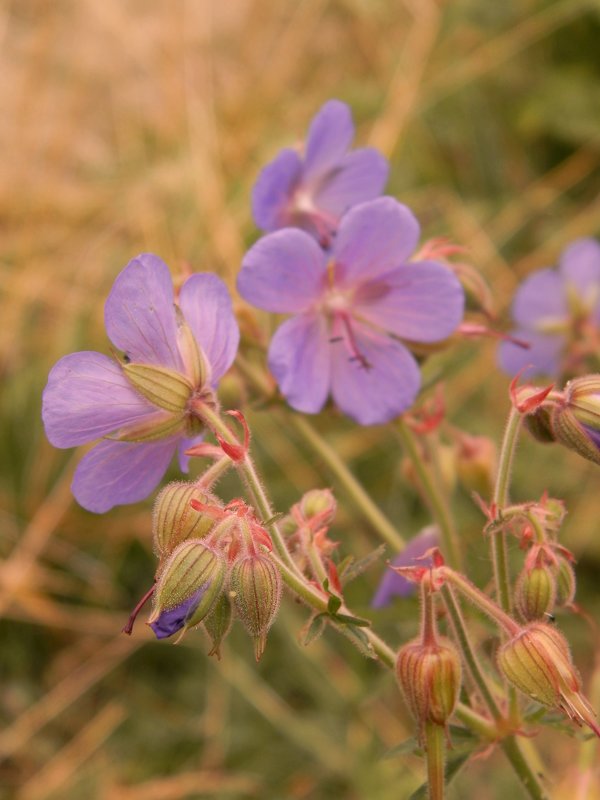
(348, 572)
(333, 604)
(315, 628)
(348, 619)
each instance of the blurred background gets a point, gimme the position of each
(141, 126)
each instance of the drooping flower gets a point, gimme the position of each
(314, 189)
(141, 405)
(395, 585)
(557, 312)
(351, 306)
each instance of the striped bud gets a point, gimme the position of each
(576, 423)
(538, 662)
(535, 592)
(188, 587)
(256, 589)
(174, 520)
(430, 677)
(218, 624)
(318, 503)
(566, 583)
(164, 387)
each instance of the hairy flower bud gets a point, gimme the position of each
(174, 520)
(429, 676)
(188, 587)
(566, 583)
(476, 459)
(256, 587)
(576, 423)
(538, 662)
(535, 592)
(539, 425)
(218, 623)
(318, 503)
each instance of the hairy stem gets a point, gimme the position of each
(435, 755)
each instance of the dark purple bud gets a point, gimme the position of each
(172, 620)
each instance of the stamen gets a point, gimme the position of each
(352, 343)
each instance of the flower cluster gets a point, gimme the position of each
(214, 560)
(142, 403)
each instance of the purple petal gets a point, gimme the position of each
(394, 585)
(139, 314)
(580, 266)
(87, 396)
(273, 190)
(171, 620)
(540, 299)
(373, 239)
(117, 473)
(592, 433)
(422, 301)
(360, 176)
(373, 378)
(207, 309)
(542, 357)
(186, 444)
(299, 358)
(329, 137)
(284, 272)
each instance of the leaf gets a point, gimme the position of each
(358, 638)
(348, 619)
(333, 604)
(314, 628)
(349, 571)
(409, 747)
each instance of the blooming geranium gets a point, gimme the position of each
(141, 405)
(313, 190)
(558, 315)
(350, 306)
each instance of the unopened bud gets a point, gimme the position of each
(318, 503)
(566, 582)
(164, 387)
(539, 425)
(429, 676)
(576, 423)
(476, 463)
(189, 585)
(256, 586)
(538, 662)
(218, 623)
(535, 592)
(174, 520)
(197, 366)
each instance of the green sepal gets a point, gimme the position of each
(164, 387)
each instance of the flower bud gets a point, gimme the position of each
(256, 587)
(188, 587)
(535, 592)
(218, 623)
(566, 583)
(539, 425)
(319, 503)
(476, 463)
(174, 520)
(538, 662)
(576, 424)
(164, 387)
(429, 676)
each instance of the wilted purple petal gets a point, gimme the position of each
(116, 473)
(87, 397)
(373, 238)
(284, 272)
(171, 620)
(422, 302)
(274, 188)
(580, 266)
(207, 309)
(360, 176)
(542, 357)
(394, 585)
(329, 137)
(540, 300)
(140, 314)
(299, 358)
(373, 378)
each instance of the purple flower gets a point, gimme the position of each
(350, 306)
(312, 191)
(394, 585)
(558, 314)
(171, 620)
(141, 406)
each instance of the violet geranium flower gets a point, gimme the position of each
(394, 585)
(557, 312)
(141, 406)
(350, 307)
(312, 191)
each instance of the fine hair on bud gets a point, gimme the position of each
(218, 623)
(535, 592)
(256, 587)
(566, 583)
(174, 520)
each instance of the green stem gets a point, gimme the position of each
(361, 498)
(480, 599)
(210, 476)
(521, 766)
(435, 754)
(432, 495)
